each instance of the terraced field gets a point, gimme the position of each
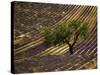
(30, 52)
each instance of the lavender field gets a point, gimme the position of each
(31, 54)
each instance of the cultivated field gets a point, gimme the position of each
(30, 52)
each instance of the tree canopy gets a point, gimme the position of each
(66, 33)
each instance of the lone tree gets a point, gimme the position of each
(68, 33)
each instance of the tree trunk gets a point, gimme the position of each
(71, 49)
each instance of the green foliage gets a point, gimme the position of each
(84, 30)
(66, 32)
(73, 25)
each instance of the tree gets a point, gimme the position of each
(68, 33)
